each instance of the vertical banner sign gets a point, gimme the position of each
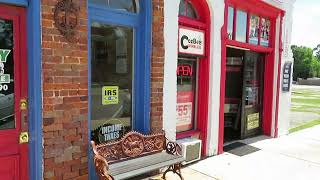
(191, 41)
(286, 79)
(184, 109)
(110, 95)
(4, 78)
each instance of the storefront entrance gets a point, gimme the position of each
(244, 94)
(13, 95)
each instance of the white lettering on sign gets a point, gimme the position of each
(1, 68)
(111, 132)
(191, 41)
(3, 87)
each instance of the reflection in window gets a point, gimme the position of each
(111, 81)
(187, 9)
(241, 31)
(230, 22)
(7, 119)
(125, 5)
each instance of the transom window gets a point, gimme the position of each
(187, 9)
(248, 28)
(123, 5)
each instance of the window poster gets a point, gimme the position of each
(253, 121)
(110, 95)
(254, 29)
(265, 32)
(184, 109)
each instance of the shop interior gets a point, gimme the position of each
(243, 94)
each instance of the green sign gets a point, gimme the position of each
(110, 95)
(4, 53)
(253, 121)
(4, 78)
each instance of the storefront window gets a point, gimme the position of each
(187, 9)
(254, 29)
(7, 119)
(265, 32)
(186, 96)
(230, 22)
(124, 5)
(111, 81)
(241, 31)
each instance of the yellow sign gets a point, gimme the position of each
(110, 95)
(24, 137)
(253, 121)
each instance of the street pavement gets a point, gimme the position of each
(292, 157)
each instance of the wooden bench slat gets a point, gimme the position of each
(142, 165)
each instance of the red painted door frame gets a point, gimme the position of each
(263, 10)
(203, 23)
(13, 154)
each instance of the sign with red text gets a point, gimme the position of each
(184, 70)
(191, 41)
(184, 109)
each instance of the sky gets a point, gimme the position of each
(306, 23)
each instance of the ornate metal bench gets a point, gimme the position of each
(136, 154)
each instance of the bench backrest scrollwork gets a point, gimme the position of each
(132, 145)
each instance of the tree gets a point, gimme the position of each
(305, 64)
(316, 50)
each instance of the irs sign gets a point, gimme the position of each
(110, 95)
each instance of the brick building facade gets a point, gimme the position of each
(65, 91)
(65, 97)
(168, 62)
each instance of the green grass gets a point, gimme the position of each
(305, 101)
(304, 126)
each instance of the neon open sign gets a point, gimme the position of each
(184, 70)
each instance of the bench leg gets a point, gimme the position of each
(176, 169)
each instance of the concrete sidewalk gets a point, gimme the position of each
(292, 157)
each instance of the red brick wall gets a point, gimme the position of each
(65, 97)
(65, 92)
(157, 66)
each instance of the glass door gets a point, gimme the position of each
(252, 96)
(111, 81)
(13, 95)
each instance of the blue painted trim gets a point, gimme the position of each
(142, 23)
(15, 2)
(142, 68)
(114, 17)
(92, 174)
(34, 90)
